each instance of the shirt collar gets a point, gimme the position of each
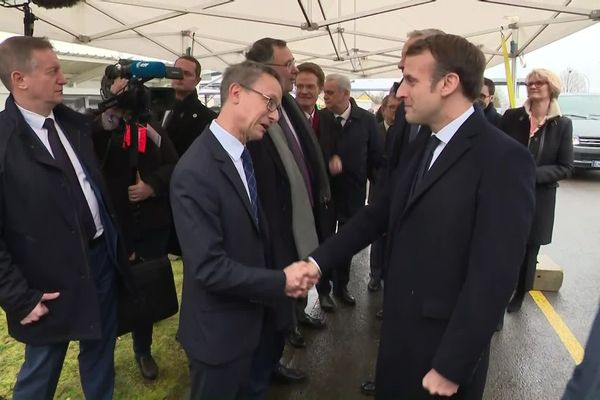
(230, 143)
(447, 132)
(346, 113)
(310, 115)
(34, 120)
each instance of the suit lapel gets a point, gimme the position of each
(454, 150)
(39, 152)
(403, 177)
(229, 170)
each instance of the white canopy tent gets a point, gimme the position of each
(358, 38)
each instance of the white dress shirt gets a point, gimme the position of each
(234, 149)
(36, 122)
(447, 132)
(345, 115)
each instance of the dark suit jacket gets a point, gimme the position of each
(227, 283)
(187, 121)
(492, 115)
(275, 197)
(359, 146)
(453, 254)
(383, 162)
(41, 245)
(552, 149)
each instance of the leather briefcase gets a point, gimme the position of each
(155, 296)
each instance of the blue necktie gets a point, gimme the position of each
(251, 180)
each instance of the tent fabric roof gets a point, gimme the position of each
(353, 37)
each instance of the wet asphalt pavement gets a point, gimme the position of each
(528, 360)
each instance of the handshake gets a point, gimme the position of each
(300, 277)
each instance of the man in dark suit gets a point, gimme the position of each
(457, 219)
(231, 285)
(389, 106)
(292, 181)
(189, 117)
(309, 85)
(352, 147)
(59, 248)
(486, 101)
(399, 138)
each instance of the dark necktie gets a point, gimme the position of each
(63, 161)
(251, 181)
(432, 144)
(338, 121)
(297, 153)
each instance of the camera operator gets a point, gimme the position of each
(140, 194)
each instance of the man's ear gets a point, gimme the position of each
(235, 89)
(450, 84)
(17, 79)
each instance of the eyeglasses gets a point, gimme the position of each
(536, 83)
(271, 104)
(288, 65)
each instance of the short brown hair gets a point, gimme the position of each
(314, 69)
(16, 53)
(262, 50)
(454, 54)
(490, 85)
(193, 60)
(245, 74)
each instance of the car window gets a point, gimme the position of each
(580, 106)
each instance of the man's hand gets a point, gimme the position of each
(299, 278)
(140, 191)
(40, 309)
(335, 165)
(436, 384)
(111, 118)
(119, 85)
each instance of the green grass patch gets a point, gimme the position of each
(172, 381)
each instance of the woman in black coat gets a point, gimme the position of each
(549, 136)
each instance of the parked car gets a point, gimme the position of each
(584, 111)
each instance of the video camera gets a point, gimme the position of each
(140, 100)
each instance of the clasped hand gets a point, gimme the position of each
(300, 277)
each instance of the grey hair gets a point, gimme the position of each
(342, 81)
(424, 33)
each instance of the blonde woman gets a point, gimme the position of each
(540, 126)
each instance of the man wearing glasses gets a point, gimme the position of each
(292, 184)
(232, 289)
(486, 101)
